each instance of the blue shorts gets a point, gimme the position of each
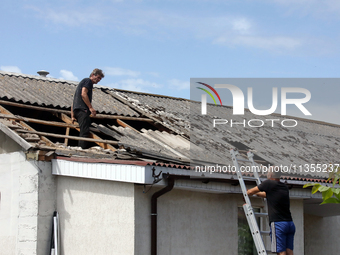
(282, 235)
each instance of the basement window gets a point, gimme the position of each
(246, 244)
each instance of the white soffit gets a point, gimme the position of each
(102, 171)
(143, 175)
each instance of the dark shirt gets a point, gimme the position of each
(277, 195)
(78, 103)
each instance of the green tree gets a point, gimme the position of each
(330, 195)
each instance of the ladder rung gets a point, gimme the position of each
(264, 232)
(244, 160)
(249, 178)
(261, 214)
(270, 252)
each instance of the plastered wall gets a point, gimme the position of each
(96, 217)
(321, 235)
(188, 223)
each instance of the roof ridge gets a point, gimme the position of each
(37, 77)
(151, 94)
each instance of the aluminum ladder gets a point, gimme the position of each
(256, 232)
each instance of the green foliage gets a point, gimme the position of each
(330, 195)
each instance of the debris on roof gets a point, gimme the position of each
(159, 129)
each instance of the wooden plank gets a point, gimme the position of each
(67, 133)
(67, 136)
(123, 124)
(43, 122)
(45, 156)
(46, 140)
(68, 120)
(67, 112)
(39, 108)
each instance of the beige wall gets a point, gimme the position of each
(296, 208)
(322, 235)
(96, 217)
(198, 223)
(47, 204)
(188, 223)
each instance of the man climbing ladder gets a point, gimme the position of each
(282, 228)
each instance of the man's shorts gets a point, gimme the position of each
(282, 235)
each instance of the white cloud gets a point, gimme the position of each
(136, 85)
(154, 74)
(277, 43)
(179, 85)
(323, 8)
(73, 18)
(117, 71)
(11, 69)
(68, 75)
(242, 25)
(227, 30)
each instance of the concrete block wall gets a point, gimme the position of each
(27, 203)
(19, 204)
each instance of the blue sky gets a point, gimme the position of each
(157, 46)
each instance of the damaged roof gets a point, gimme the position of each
(159, 129)
(55, 93)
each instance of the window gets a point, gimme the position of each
(246, 244)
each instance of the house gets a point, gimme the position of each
(137, 190)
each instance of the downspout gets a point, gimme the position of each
(169, 187)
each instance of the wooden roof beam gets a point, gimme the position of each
(104, 145)
(43, 122)
(67, 136)
(22, 123)
(67, 112)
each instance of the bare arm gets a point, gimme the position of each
(256, 191)
(86, 100)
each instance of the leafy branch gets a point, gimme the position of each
(330, 195)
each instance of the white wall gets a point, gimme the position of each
(26, 206)
(322, 235)
(19, 204)
(97, 217)
(188, 223)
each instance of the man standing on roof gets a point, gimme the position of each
(81, 108)
(282, 228)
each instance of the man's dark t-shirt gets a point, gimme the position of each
(78, 103)
(277, 195)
